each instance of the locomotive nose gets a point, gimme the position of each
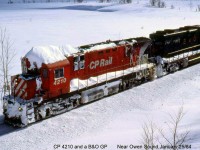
(25, 86)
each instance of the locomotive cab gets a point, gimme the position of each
(55, 78)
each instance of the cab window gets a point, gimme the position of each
(79, 62)
(59, 73)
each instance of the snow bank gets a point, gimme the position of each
(48, 54)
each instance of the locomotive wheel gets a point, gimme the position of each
(174, 67)
(48, 113)
(38, 116)
(184, 63)
(151, 75)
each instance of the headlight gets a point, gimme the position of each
(20, 109)
(5, 104)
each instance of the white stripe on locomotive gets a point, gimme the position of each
(22, 90)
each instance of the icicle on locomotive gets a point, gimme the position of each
(55, 80)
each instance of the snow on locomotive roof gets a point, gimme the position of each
(129, 42)
(100, 46)
(48, 54)
(51, 54)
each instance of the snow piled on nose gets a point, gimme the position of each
(48, 54)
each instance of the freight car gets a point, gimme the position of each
(57, 79)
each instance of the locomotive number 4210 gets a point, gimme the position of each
(59, 81)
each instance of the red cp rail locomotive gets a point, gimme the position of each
(55, 80)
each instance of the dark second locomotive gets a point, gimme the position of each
(55, 80)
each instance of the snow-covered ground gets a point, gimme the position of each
(113, 120)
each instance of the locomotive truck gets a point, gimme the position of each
(57, 79)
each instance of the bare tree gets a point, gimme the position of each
(7, 55)
(161, 4)
(104, 1)
(176, 138)
(79, 1)
(149, 135)
(157, 3)
(125, 1)
(198, 7)
(153, 2)
(10, 1)
(152, 135)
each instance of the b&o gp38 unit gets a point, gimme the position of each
(55, 80)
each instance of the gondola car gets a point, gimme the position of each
(57, 79)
